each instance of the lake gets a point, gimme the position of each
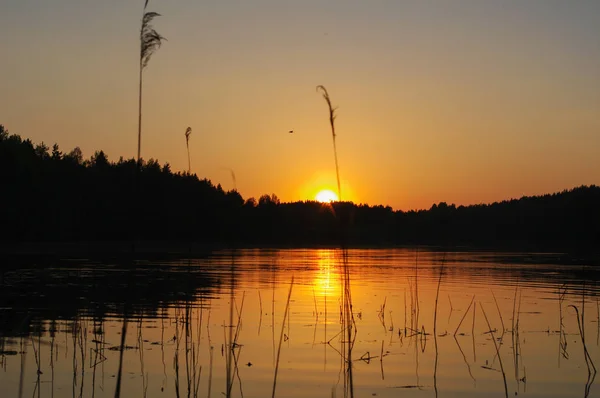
(301, 323)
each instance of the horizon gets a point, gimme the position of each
(436, 102)
(327, 192)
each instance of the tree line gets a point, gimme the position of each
(54, 196)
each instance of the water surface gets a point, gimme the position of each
(215, 326)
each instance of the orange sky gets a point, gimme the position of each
(464, 102)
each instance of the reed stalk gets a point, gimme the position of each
(22, 372)
(285, 313)
(451, 309)
(586, 354)
(261, 312)
(315, 302)
(176, 355)
(188, 132)
(497, 350)
(514, 306)
(562, 341)
(437, 295)
(52, 343)
(473, 324)
(233, 178)
(121, 351)
(405, 311)
(464, 358)
(150, 41)
(332, 117)
(350, 325)
(464, 315)
(416, 309)
(162, 348)
(598, 320)
(210, 369)
(499, 313)
(143, 373)
(229, 341)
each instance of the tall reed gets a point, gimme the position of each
(232, 173)
(52, 345)
(499, 313)
(143, 373)
(464, 315)
(177, 338)
(562, 340)
(22, 372)
(188, 132)
(497, 350)
(332, 117)
(150, 41)
(285, 314)
(437, 295)
(586, 355)
(123, 333)
(349, 324)
(416, 301)
(229, 340)
(464, 358)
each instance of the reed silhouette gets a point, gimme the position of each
(281, 336)
(150, 41)
(189, 357)
(332, 117)
(435, 336)
(188, 132)
(562, 340)
(581, 328)
(342, 213)
(491, 331)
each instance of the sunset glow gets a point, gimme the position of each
(419, 119)
(326, 196)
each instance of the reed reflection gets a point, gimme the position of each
(335, 302)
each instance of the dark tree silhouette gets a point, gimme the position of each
(51, 196)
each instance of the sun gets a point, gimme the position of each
(326, 196)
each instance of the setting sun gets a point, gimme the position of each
(326, 196)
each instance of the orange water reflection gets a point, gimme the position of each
(165, 359)
(326, 279)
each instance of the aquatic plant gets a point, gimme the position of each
(188, 132)
(435, 342)
(464, 315)
(581, 327)
(285, 315)
(499, 313)
(562, 343)
(497, 350)
(349, 324)
(233, 179)
(150, 41)
(332, 117)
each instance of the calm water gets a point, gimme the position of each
(218, 326)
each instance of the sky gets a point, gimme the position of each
(458, 101)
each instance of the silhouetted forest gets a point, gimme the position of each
(53, 196)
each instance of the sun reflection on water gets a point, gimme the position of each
(181, 344)
(326, 279)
